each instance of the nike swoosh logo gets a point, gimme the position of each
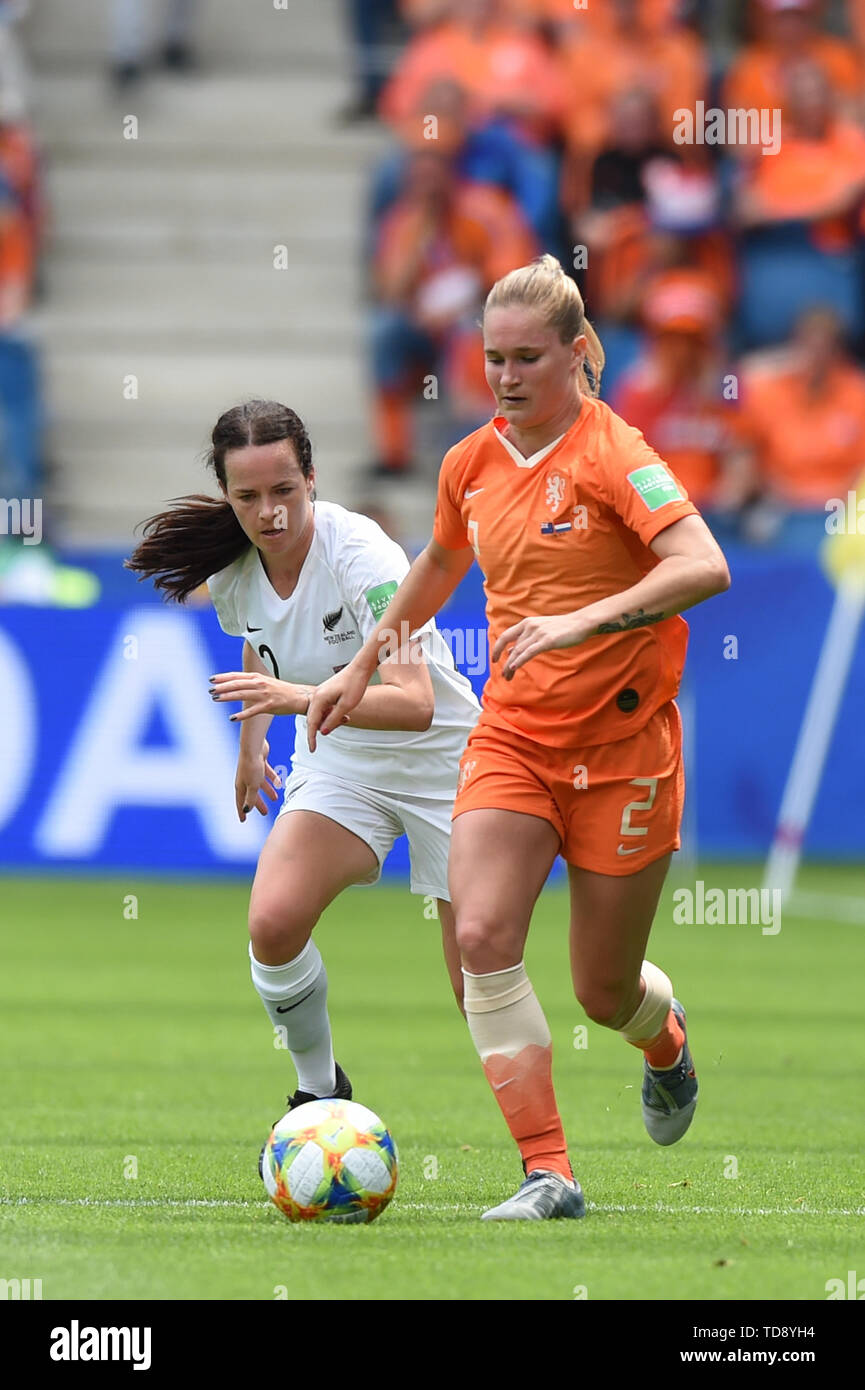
(254, 629)
(501, 1084)
(473, 493)
(622, 850)
(288, 1008)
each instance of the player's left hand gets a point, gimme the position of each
(530, 636)
(260, 694)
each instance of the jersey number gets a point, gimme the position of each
(626, 828)
(263, 650)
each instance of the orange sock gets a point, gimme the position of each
(523, 1087)
(663, 1050)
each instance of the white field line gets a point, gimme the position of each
(837, 909)
(647, 1208)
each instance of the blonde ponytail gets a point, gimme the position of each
(544, 286)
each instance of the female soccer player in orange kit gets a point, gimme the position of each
(590, 550)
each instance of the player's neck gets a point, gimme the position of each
(283, 571)
(530, 441)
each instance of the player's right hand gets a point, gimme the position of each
(333, 702)
(254, 777)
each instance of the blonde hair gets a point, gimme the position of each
(544, 286)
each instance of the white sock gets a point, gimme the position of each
(295, 997)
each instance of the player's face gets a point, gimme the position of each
(530, 371)
(268, 494)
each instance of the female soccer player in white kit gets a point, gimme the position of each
(304, 583)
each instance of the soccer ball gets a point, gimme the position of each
(330, 1160)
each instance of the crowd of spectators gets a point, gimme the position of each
(30, 569)
(721, 257)
(23, 568)
(140, 38)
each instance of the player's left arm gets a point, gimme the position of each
(403, 700)
(691, 567)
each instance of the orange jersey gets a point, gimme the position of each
(809, 449)
(17, 252)
(504, 67)
(806, 176)
(602, 66)
(757, 76)
(555, 533)
(480, 227)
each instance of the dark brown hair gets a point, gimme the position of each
(199, 535)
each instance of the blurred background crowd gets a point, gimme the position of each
(726, 279)
(22, 462)
(722, 263)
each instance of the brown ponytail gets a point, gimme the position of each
(200, 535)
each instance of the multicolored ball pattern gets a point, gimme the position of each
(330, 1160)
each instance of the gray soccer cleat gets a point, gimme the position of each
(544, 1196)
(670, 1097)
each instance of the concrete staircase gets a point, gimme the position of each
(160, 263)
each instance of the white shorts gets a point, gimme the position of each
(379, 818)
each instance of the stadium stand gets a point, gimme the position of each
(524, 124)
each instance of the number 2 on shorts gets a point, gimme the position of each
(626, 828)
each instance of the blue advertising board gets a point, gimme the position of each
(112, 754)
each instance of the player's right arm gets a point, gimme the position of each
(254, 774)
(426, 588)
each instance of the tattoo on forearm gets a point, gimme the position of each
(639, 619)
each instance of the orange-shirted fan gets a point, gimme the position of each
(481, 228)
(810, 446)
(673, 393)
(501, 67)
(553, 534)
(806, 176)
(435, 272)
(814, 180)
(757, 76)
(18, 159)
(17, 257)
(617, 273)
(604, 63)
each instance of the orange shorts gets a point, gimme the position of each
(615, 806)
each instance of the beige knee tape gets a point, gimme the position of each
(654, 1006)
(503, 1012)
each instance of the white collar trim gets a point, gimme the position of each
(519, 459)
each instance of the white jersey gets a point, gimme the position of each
(350, 573)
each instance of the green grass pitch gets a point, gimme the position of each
(138, 1045)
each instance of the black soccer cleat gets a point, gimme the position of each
(341, 1091)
